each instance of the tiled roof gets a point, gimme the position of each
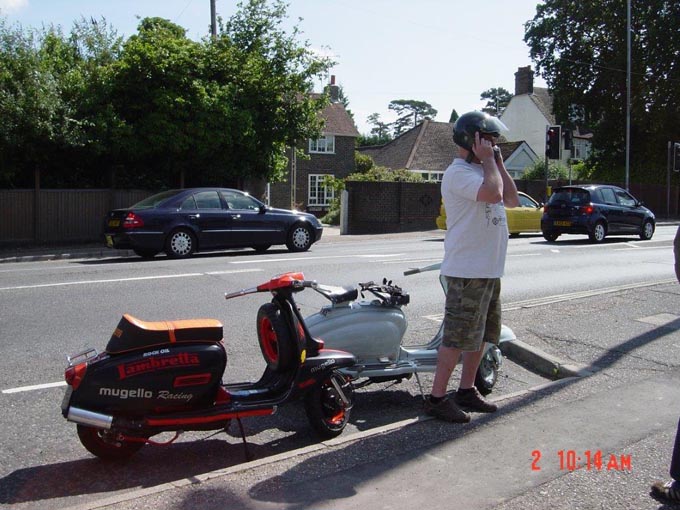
(427, 147)
(338, 121)
(543, 101)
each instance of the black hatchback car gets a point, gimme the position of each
(183, 221)
(597, 210)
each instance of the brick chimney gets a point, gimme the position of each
(334, 90)
(524, 81)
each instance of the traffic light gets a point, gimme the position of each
(552, 142)
(567, 140)
(676, 157)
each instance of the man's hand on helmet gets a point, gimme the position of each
(483, 147)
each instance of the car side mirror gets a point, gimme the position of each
(263, 209)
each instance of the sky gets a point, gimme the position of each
(444, 52)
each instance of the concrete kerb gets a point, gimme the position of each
(541, 362)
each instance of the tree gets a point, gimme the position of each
(454, 116)
(497, 100)
(380, 132)
(409, 112)
(41, 84)
(580, 49)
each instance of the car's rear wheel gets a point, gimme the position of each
(647, 230)
(145, 254)
(599, 232)
(299, 238)
(550, 236)
(181, 243)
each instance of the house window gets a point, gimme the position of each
(319, 195)
(323, 145)
(432, 176)
(581, 149)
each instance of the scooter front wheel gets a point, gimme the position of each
(327, 412)
(105, 445)
(276, 345)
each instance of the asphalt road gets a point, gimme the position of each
(50, 309)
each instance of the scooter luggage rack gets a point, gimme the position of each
(82, 356)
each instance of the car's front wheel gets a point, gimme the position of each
(181, 243)
(647, 230)
(599, 232)
(299, 238)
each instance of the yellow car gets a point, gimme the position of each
(524, 218)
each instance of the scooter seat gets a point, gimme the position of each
(133, 334)
(337, 295)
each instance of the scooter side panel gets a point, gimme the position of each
(164, 379)
(370, 332)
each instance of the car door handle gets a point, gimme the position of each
(194, 216)
(235, 216)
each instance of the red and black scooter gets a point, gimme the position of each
(157, 377)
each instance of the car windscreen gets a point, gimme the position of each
(154, 200)
(570, 196)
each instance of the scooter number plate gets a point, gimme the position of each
(67, 398)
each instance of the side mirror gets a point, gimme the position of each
(263, 209)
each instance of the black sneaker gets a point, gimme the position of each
(668, 492)
(472, 400)
(446, 410)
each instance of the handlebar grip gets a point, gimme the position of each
(239, 293)
(411, 271)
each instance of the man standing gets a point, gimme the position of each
(475, 189)
(669, 492)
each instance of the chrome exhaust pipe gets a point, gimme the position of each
(89, 418)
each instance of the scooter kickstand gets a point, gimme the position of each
(249, 456)
(420, 386)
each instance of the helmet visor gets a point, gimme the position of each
(492, 126)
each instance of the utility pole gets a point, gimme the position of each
(213, 19)
(628, 100)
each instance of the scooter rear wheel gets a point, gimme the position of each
(105, 445)
(326, 411)
(487, 374)
(274, 339)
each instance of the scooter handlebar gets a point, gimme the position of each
(239, 293)
(432, 267)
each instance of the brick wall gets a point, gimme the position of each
(380, 207)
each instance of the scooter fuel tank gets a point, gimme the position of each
(370, 331)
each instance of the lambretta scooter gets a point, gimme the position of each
(373, 328)
(157, 377)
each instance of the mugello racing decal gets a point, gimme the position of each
(125, 394)
(182, 359)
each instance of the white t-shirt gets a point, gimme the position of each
(476, 232)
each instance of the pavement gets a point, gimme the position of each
(595, 436)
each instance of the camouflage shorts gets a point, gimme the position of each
(472, 312)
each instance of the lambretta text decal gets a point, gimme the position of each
(182, 359)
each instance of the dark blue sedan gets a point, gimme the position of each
(596, 210)
(183, 221)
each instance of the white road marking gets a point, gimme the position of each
(34, 387)
(118, 280)
(262, 261)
